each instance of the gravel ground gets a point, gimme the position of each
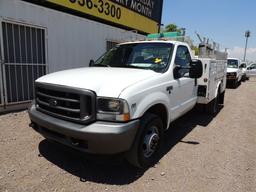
(201, 154)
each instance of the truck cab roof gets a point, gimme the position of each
(156, 41)
(232, 58)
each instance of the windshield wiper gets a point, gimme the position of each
(101, 65)
(131, 66)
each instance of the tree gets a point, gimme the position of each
(172, 28)
(196, 49)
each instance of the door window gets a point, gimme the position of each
(183, 59)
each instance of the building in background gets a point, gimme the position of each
(44, 36)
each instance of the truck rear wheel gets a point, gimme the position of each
(147, 147)
(221, 98)
(212, 107)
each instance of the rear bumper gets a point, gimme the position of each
(96, 138)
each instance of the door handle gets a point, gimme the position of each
(169, 89)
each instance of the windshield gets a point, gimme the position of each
(153, 56)
(232, 63)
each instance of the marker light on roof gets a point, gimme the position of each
(164, 35)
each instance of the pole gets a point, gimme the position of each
(245, 50)
(159, 27)
(247, 35)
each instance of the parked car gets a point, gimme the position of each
(234, 72)
(251, 70)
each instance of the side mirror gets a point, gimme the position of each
(240, 67)
(91, 63)
(196, 69)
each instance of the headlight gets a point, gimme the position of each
(112, 109)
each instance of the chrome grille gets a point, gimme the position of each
(66, 103)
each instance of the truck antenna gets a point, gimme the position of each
(199, 37)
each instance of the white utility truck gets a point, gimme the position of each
(124, 101)
(234, 72)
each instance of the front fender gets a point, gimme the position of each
(149, 101)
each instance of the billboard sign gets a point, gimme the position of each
(141, 15)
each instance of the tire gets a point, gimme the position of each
(147, 147)
(212, 107)
(221, 98)
(235, 83)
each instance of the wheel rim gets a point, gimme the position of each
(150, 142)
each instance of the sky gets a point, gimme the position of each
(224, 21)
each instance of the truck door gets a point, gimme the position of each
(185, 89)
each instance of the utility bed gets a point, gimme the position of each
(214, 75)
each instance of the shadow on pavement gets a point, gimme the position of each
(108, 170)
(114, 170)
(184, 125)
(231, 86)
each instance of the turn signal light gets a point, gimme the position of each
(126, 117)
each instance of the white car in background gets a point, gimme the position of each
(251, 70)
(234, 72)
(244, 69)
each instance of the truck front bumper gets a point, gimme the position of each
(231, 78)
(96, 138)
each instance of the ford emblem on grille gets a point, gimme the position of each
(53, 102)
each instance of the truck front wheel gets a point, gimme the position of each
(146, 149)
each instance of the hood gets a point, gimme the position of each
(104, 81)
(232, 70)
